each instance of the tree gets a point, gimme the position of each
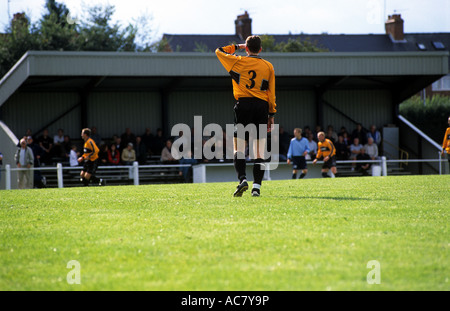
(292, 45)
(19, 38)
(55, 31)
(97, 33)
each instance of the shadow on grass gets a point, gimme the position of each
(339, 198)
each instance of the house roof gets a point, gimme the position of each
(334, 43)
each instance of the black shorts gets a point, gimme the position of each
(251, 110)
(299, 163)
(90, 167)
(330, 163)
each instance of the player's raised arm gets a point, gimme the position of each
(226, 57)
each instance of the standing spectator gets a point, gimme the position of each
(141, 151)
(126, 138)
(147, 140)
(342, 131)
(375, 134)
(67, 145)
(312, 147)
(159, 142)
(298, 149)
(24, 159)
(73, 156)
(327, 151)
(331, 134)
(128, 155)
(347, 139)
(360, 133)
(446, 142)
(118, 142)
(341, 149)
(39, 180)
(363, 167)
(58, 141)
(371, 149)
(103, 155)
(285, 141)
(113, 155)
(95, 136)
(46, 143)
(355, 149)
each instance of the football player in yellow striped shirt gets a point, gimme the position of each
(326, 149)
(253, 80)
(90, 158)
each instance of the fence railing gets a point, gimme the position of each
(135, 168)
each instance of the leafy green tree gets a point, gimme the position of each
(98, 34)
(292, 45)
(57, 31)
(19, 38)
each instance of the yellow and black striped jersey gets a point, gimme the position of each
(446, 143)
(325, 149)
(252, 76)
(90, 150)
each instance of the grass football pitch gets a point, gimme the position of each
(313, 234)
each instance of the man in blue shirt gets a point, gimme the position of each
(298, 149)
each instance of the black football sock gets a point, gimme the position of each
(94, 179)
(302, 176)
(240, 165)
(294, 176)
(85, 182)
(258, 171)
(325, 175)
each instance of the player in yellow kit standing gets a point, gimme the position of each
(326, 149)
(253, 80)
(446, 143)
(90, 158)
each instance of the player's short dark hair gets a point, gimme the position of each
(253, 43)
(87, 132)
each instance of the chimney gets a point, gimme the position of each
(394, 27)
(243, 25)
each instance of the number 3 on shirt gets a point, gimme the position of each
(252, 79)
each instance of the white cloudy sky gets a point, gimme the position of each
(269, 16)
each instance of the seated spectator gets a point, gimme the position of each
(166, 154)
(342, 150)
(118, 142)
(73, 156)
(312, 147)
(141, 151)
(343, 131)
(371, 149)
(46, 143)
(103, 155)
(363, 167)
(128, 155)
(355, 149)
(113, 155)
(375, 135)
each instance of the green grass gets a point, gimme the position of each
(316, 234)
